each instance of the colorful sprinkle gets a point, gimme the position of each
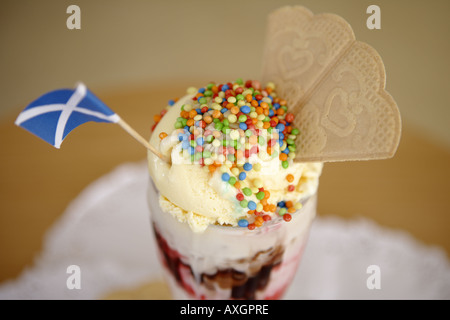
(260, 195)
(298, 206)
(245, 109)
(247, 191)
(259, 221)
(244, 203)
(251, 205)
(243, 223)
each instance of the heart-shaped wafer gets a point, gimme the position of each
(334, 85)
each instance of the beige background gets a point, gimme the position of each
(124, 43)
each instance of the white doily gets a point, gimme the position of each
(106, 232)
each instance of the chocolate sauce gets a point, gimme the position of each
(242, 285)
(253, 284)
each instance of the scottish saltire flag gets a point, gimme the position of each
(52, 116)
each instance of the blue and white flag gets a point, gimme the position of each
(52, 116)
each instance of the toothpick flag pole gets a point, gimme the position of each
(140, 139)
(53, 115)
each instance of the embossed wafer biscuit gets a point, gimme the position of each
(334, 84)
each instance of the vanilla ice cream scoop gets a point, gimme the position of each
(232, 155)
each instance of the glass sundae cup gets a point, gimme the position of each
(225, 262)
